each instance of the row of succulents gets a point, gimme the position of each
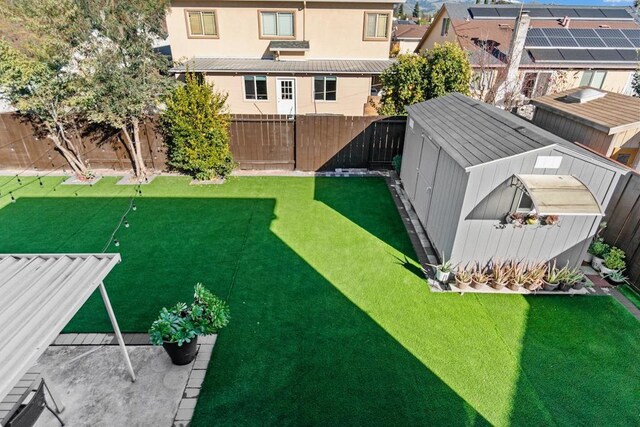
(517, 275)
(608, 260)
(520, 219)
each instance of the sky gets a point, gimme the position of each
(586, 2)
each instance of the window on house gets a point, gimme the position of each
(446, 22)
(528, 84)
(525, 204)
(255, 88)
(593, 79)
(202, 23)
(376, 86)
(276, 24)
(623, 158)
(324, 88)
(376, 25)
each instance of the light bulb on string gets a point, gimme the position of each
(116, 243)
(40, 181)
(13, 199)
(134, 207)
(19, 181)
(126, 223)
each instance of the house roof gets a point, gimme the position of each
(611, 113)
(488, 39)
(474, 133)
(409, 32)
(315, 66)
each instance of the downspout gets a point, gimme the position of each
(304, 20)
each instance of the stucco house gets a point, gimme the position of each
(534, 49)
(285, 57)
(405, 37)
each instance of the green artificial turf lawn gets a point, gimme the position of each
(332, 323)
(631, 295)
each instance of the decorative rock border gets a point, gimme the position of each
(74, 180)
(196, 376)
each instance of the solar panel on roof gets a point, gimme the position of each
(606, 55)
(563, 42)
(537, 41)
(589, 13)
(590, 42)
(546, 55)
(510, 12)
(556, 32)
(618, 42)
(629, 55)
(483, 12)
(535, 32)
(609, 32)
(582, 32)
(540, 12)
(576, 55)
(633, 36)
(562, 12)
(616, 13)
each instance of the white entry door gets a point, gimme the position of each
(286, 96)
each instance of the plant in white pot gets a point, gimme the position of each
(177, 329)
(613, 261)
(617, 277)
(598, 249)
(443, 270)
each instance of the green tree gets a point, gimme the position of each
(448, 70)
(196, 126)
(635, 83)
(125, 79)
(416, 10)
(403, 84)
(37, 41)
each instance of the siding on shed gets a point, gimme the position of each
(573, 131)
(481, 234)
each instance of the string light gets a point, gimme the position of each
(19, 181)
(134, 207)
(126, 223)
(40, 181)
(116, 243)
(13, 199)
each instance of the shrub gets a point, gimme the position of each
(599, 248)
(614, 259)
(196, 126)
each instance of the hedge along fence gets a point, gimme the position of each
(308, 143)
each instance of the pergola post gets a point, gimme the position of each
(116, 329)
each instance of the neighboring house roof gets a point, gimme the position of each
(315, 66)
(474, 133)
(409, 32)
(488, 39)
(611, 113)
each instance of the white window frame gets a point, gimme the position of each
(365, 37)
(593, 74)
(255, 87)
(324, 90)
(277, 35)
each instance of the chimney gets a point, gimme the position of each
(517, 45)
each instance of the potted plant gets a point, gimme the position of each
(499, 275)
(177, 328)
(463, 278)
(617, 276)
(551, 219)
(479, 277)
(443, 271)
(553, 276)
(580, 280)
(568, 278)
(535, 276)
(532, 220)
(516, 219)
(598, 250)
(517, 276)
(613, 260)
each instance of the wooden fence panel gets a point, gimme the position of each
(263, 142)
(623, 223)
(330, 142)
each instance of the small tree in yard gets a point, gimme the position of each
(38, 40)
(125, 79)
(448, 70)
(196, 125)
(403, 84)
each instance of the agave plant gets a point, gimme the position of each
(499, 274)
(517, 275)
(479, 276)
(463, 278)
(535, 276)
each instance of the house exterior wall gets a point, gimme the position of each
(435, 34)
(351, 94)
(334, 30)
(489, 196)
(407, 46)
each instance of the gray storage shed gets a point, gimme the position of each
(467, 164)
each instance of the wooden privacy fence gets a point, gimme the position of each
(623, 224)
(307, 143)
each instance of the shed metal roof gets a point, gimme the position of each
(612, 113)
(474, 133)
(315, 66)
(39, 294)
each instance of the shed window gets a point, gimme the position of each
(525, 204)
(376, 25)
(202, 23)
(255, 87)
(324, 88)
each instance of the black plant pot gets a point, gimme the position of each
(181, 354)
(550, 286)
(564, 287)
(579, 285)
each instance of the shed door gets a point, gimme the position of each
(410, 163)
(426, 179)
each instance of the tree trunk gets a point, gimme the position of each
(133, 145)
(138, 147)
(73, 158)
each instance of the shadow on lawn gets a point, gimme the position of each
(297, 350)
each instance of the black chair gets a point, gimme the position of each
(29, 412)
